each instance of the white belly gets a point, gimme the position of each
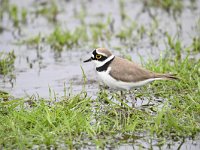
(116, 84)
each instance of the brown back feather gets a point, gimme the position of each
(124, 70)
(127, 71)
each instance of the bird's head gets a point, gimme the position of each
(100, 56)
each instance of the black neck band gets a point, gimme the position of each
(105, 66)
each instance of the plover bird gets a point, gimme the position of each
(121, 74)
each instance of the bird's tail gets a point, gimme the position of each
(166, 76)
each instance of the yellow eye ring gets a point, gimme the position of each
(98, 56)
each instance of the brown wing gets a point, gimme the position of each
(124, 70)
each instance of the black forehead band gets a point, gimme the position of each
(94, 53)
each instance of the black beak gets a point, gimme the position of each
(90, 59)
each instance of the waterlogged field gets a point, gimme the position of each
(49, 99)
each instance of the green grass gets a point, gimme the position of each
(196, 44)
(33, 41)
(127, 32)
(49, 10)
(13, 12)
(168, 5)
(181, 114)
(17, 16)
(79, 120)
(59, 39)
(7, 63)
(4, 8)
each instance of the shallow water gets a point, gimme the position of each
(40, 69)
(50, 71)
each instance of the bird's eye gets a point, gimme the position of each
(98, 56)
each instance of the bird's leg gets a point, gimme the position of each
(123, 97)
(133, 99)
(121, 92)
